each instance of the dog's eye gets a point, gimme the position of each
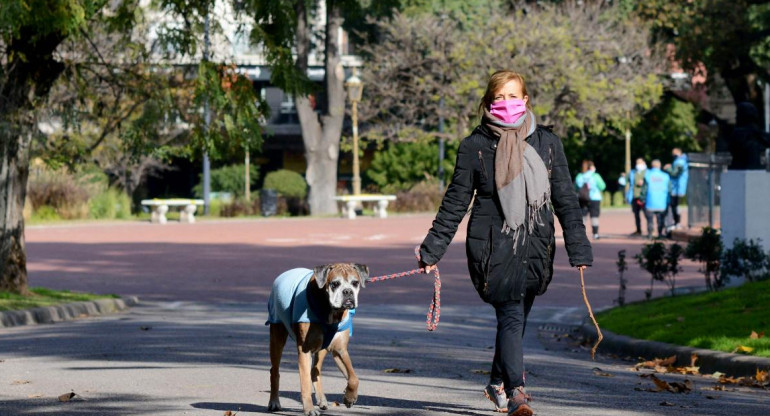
(334, 285)
(355, 283)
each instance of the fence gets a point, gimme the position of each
(703, 189)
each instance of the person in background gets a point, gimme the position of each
(622, 180)
(678, 173)
(657, 197)
(596, 186)
(635, 195)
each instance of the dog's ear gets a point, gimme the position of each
(321, 273)
(363, 272)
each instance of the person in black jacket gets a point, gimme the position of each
(517, 171)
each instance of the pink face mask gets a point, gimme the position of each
(508, 111)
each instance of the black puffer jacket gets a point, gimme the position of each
(497, 272)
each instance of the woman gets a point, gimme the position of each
(519, 174)
(595, 184)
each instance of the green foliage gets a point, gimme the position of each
(687, 320)
(662, 263)
(672, 123)
(230, 179)
(44, 213)
(287, 183)
(44, 297)
(707, 249)
(110, 204)
(746, 259)
(402, 165)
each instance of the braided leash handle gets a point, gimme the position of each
(434, 312)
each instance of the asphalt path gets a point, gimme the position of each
(197, 345)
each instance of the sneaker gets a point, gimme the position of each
(518, 403)
(596, 236)
(496, 394)
(636, 234)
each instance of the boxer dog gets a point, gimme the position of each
(315, 308)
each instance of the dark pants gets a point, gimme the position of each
(674, 205)
(637, 206)
(508, 364)
(661, 219)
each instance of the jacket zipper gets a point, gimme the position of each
(550, 160)
(487, 263)
(483, 166)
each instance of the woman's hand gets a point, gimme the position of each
(581, 267)
(426, 268)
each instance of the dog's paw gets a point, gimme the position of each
(313, 412)
(350, 399)
(322, 403)
(274, 406)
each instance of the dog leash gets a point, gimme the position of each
(435, 307)
(591, 314)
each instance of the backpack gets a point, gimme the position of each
(584, 194)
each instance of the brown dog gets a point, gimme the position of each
(316, 308)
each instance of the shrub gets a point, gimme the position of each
(402, 165)
(661, 263)
(59, 191)
(229, 179)
(747, 260)
(707, 249)
(45, 213)
(424, 196)
(287, 183)
(240, 207)
(110, 204)
(618, 199)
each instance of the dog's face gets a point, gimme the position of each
(341, 281)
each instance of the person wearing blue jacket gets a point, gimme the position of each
(635, 195)
(678, 172)
(596, 186)
(657, 197)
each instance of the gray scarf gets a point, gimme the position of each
(521, 177)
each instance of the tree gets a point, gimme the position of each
(34, 55)
(729, 37)
(588, 68)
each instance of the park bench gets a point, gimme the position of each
(160, 207)
(379, 204)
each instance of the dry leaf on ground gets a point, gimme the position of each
(67, 396)
(743, 349)
(754, 335)
(397, 370)
(599, 372)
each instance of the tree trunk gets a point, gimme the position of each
(321, 133)
(14, 171)
(25, 83)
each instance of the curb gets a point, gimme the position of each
(709, 361)
(65, 312)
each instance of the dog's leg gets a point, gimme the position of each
(345, 365)
(305, 362)
(278, 335)
(320, 397)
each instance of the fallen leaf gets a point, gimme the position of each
(717, 375)
(762, 376)
(483, 372)
(743, 348)
(754, 335)
(693, 359)
(145, 328)
(67, 396)
(397, 370)
(20, 382)
(660, 384)
(598, 372)
(336, 404)
(34, 396)
(230, 413)
(666, 404)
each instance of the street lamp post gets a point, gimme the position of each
(355, 89)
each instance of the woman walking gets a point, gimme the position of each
(595, 185)
(519, 175)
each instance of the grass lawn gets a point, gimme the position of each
(44, 297)
(721, 321)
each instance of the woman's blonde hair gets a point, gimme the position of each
(496, 81)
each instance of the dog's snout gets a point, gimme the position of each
(347, 292)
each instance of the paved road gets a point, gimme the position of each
(236, 261)
(197, 345)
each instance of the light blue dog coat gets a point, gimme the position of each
(288, 304)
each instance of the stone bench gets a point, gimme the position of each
(379, 202)
(187, 208)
